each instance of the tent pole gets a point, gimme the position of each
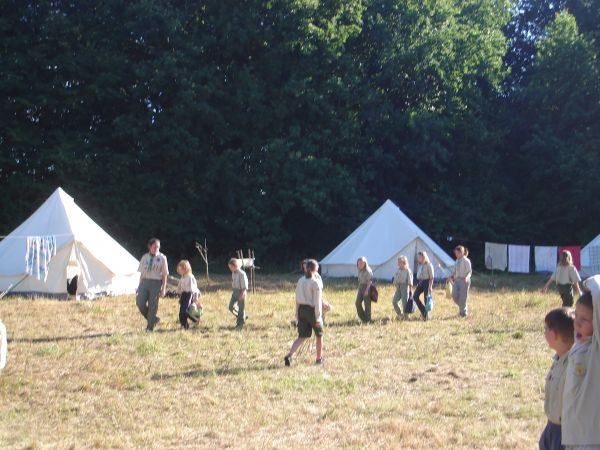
(12, 286)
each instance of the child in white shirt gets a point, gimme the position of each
(188, 290)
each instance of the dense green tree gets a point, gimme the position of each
(562, 102)
(280, 125)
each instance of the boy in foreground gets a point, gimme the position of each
(559, 334)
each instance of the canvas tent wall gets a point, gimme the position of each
(590, 258)
(83, 249)
(382, 238)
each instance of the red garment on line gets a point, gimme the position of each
(576, 252)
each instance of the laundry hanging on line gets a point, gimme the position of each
(496, 256)
(518, 258)
(39, 252)
(546, 258)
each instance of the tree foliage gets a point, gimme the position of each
(280, 125)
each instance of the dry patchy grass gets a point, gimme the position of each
(85, 375)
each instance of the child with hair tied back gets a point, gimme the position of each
(581, 399)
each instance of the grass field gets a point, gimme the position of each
(85, 375)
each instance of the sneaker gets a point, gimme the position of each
(319, 361)
(156, 321)
(287, 361)
(149, 330)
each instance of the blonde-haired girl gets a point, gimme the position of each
(365, 279)
(188, 289)
(403, 280)
(425, 276)
(565, 276)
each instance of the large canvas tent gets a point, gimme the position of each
(382, 238)
(83, 248)
(590, 258)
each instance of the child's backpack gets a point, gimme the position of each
(449, 290)
(428, 302)
(195, 311)
(373, 293)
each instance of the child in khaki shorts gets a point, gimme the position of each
(309, 312)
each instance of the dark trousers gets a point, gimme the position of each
(422, 288)
(184, 303)
(551, 437)
(566, 294)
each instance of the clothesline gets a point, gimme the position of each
(517, 258)
(476, 241)
(29, 235)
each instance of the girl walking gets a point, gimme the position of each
(425, 275)
(566, 277)
(309, 312)
(461, 279)
(403, 280)
(187, 288)
(365, 279)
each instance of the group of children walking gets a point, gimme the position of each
(404, 282)
(154, 271)
(572, 390)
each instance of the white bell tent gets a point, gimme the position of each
(84, 249)
(590, 258)
(382, 238)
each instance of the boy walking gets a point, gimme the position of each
(560, 337)
(239, 284)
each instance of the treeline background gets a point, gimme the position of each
(280, 125)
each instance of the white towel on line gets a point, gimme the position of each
(518, 258)
(546, 258)
(496, 256)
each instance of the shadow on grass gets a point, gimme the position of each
(220, 371)
(49, 339)
(40, 340)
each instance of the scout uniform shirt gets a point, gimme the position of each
(239, 280)
(462, 268)
(187, 283)
(309, 293)
(425, 272)
(565, 275)
(581, 398)
(364, 276)
(403, 276)
(153, 267)
(555, 384)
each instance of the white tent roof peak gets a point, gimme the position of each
(380, 238)
(61, 217)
